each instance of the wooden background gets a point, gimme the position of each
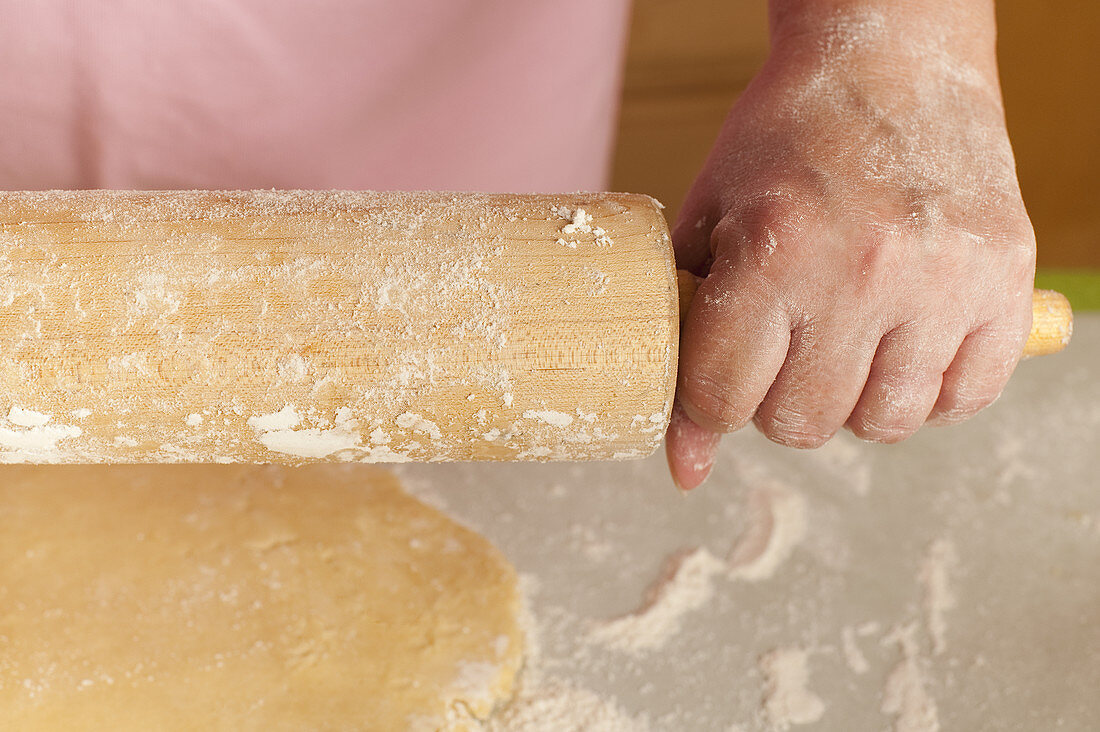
(689, 59)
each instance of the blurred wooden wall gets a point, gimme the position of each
(689, 59)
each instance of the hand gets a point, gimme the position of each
(868, 258)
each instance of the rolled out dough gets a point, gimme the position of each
(238, 598)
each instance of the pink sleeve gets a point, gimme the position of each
(458, 94)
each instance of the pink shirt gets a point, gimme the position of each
(506, 95)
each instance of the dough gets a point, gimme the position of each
(242, 597)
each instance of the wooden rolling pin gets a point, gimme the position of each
(294, 326)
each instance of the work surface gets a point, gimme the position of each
(953, 580)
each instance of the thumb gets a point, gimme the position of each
(690, 450)
(693, 227)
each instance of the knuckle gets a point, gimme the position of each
(948, 415)
(977, 388)
(884, 428)
(908, 386)
(960, 405)
(778, 217)
(712, 397)
(792, 428)
(894, 407)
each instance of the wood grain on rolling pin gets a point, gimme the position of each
(292, 326)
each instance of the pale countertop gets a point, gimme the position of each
(986, 535)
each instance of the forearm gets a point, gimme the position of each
(959, 31)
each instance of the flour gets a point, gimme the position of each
(280, 432)
(914, 144)
(390, 303)
(311, 442)
(580, 221)
(26, 435)
(853, 656)
(417, 423)
(381, 454)
(549, 703)
(546, 702)
(938, 598)
(550, 417)
(23, 444)
(905, 696)
(285, 419)
(27, 418)
(193, 420)
(777, 523)
(476, 682)
(687, 586)
(787, 698)
(843, 456)
(292, 368)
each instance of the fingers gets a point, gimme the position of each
(904, 382)
(979, 372)
(787, 331)
(733, 343)
(820, 382)
(690, 450)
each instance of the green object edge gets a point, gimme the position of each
(1081, 286)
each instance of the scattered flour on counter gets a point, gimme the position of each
(848, 458)
(853, 656)
(81, 413)
(194, 420)
(938, 562)
(590, 542)
(904, 695)
(687, 586)
(871, 627)
(777, 523)
(552, 704)
(787, 698)
(545, 702)
(475, 683)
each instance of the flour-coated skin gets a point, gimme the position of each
(868, 258)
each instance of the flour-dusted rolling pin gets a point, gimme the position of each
(289, 326)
